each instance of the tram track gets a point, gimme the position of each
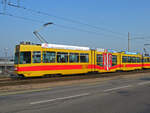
(13, 82)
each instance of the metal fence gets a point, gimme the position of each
(5, 67)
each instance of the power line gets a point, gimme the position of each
(57, 25)
(77, 29)
(87, 31)
(19, 17)
(142, 37)
(66, 19)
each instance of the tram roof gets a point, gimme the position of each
(45, 45)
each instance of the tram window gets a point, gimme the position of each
(133, 59)
(16, 61)
(84, 57)
(129, 59)
(36, 57)
(25, 57)
(62, 57)
(100, 59)
(124, 59)
(138, 59)
(145, 60)
(74, 57)
(114, 60)
(49, 57)
(148, 60)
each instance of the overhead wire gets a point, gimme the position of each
(68, 20)
(140, 36)
(58, 25)
(65, 19)
(20, 17)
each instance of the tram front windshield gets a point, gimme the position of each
(22, 58)
(16, 61)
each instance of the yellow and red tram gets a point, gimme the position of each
(146, 62)
(32, 60)
(130, 61)
(37, 60)
(106, 61)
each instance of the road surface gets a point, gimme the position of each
(120, 95)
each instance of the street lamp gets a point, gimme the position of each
(36, 32)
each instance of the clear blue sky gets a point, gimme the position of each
(119, 16)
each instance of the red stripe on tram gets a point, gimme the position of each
(51, 67)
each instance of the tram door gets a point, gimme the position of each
(107, 61)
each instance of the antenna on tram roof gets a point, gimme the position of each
(37, 34)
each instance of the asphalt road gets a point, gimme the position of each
(121, 95)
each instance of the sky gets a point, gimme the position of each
(92, 23)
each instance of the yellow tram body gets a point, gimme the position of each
(106, 65)
(130, 61)
(37, 69)
(41, 60)
(146, 62)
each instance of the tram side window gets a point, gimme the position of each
(129, 59)
(73, 57)
(100, 59)
(133, 59)
(49, 57)
(84, 57)
(36, 57)
(145, 60)
(62, 57)
(148, 60)
(138, 59)
(16, 61)
(25, 57)
(124, 59)
(114, 60)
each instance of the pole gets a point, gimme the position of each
(128, 41)
(6, 60)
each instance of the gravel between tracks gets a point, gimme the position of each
(40, 85)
